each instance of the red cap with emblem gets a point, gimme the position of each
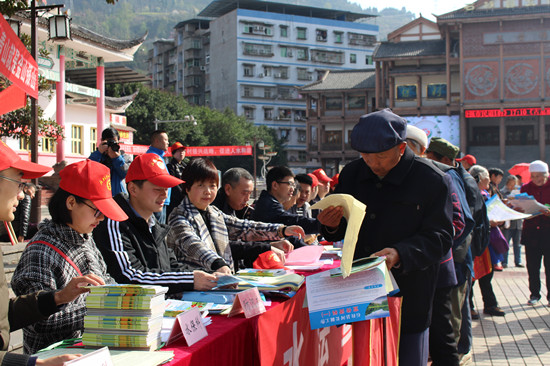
(151, 167)
(92, 181)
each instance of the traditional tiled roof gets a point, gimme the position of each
(462, 13)
(342, 80)
(434, 47)
(79, 32)
(114, 103)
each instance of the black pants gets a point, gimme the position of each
(443, 348)
(533, 256)
(486, 287)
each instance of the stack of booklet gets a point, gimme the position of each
(124, 316)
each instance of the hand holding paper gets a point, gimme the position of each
(295, 230)
(354, 212)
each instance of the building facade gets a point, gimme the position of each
(252, 55)
(334, 105)
(504, 63)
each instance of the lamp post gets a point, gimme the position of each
(36, 204)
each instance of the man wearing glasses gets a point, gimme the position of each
(269, 207)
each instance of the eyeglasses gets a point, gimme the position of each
(20, 185)
(97, 213)
(290, 183)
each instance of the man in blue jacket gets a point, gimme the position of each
(159, 146)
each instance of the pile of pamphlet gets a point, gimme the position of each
(124, 316)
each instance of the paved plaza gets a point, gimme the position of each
(522, 337)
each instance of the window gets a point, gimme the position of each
(285, 113)
(93, 139)
(356, 102)
(302, 33)
(284, 51)
(329, 57)
(248, 70)
(247, 91)
(303, 74)
(259, 29)
(284, 31)
(302, 155)
(361, 39)
(437, 91)
(406, 92)
(258, 49)
(249, 112)
(285, 133)
(267, 93)
(48, 145)
(76, 140)
(321, 35)
(207, 59)
(300, 115)
(24, 144)
(268, 113)
(333, 103)
(197, 44)
(520, 135)
(368, 60)
(484, 136)
(352, 58)
(338, 37)
(301, 135)
(302, 54)
(267, 70)
(333, 137)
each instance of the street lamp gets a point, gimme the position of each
(188, 118)
(59, 27)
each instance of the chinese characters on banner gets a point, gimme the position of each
(218, 150)
(16, 62)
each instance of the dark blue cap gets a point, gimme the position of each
(378, 131)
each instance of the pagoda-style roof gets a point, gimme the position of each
(85, 41)
(341, 80)
(387, 50)
(217, 8)
(116, 104)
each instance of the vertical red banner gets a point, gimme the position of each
(16, 63)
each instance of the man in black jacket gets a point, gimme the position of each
(232, 199)
(408, 220)
(135, 250)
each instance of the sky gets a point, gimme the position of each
(426, 7)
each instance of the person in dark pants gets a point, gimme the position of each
(408, 220)
(175, 168)
(536, 231)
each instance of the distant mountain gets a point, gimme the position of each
(129, 19)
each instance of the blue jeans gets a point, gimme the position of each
(515, 235)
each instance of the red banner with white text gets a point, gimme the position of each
(195, 150)
(16, 63)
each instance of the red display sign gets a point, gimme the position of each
(16, 63)
(509, 112)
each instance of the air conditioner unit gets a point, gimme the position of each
(289, 54)
(277, 75)
(260, 75)
(202, 68)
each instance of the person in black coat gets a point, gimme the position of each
(408, 219)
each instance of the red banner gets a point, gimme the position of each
(508, 112)
(285, 337)
(194, 150)
(218, 150)
(16, 62)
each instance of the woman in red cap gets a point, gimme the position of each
(63, 248)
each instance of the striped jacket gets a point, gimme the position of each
(135, 254)
(42, 268)
(199, 247)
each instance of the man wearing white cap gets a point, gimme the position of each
(536, 231)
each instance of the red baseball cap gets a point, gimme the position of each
(177, 146)
(314, 180)
(9, 159)
(335, 180)
(268, 260)
(322, 176)
(92, 180)
(151, 167)
(470, 159)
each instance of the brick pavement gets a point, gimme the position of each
(522, 337)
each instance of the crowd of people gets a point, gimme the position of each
(175, 224)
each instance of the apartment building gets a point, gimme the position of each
(261, 51)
